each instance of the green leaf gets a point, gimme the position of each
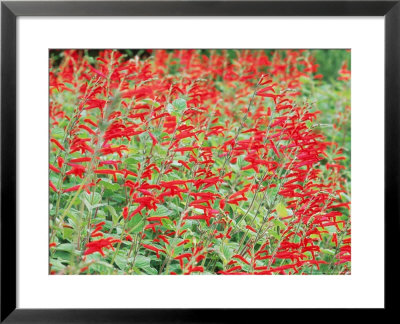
(90, 200)
(73, 215)
(279, 223)
(201, 138)
(63, 255)
(170, 108)
(161, 211)
(131, 160)
(227, 251)
(149, 270)
(197, 211)
(113, 213)
(327, 251)
(57, 133)
(56, 265)
(121, 261)
(102, 267)
(98, 205)
(67, 247)
(68, 233)
(175, 207)
(96, 198)
(151, 102)
(137, 270)
(281, 210)
(273, 233)
(108, 184)
(168, 224)
(136, 224)
(143, 263)
(179, 105)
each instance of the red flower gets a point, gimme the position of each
(99, 245)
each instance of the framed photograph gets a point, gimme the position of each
(184, 161)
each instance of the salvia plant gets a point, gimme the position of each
(227, 162)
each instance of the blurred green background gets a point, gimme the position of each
(329, 60)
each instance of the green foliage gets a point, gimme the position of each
(200, 162)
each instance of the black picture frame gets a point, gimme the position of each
(10, 10)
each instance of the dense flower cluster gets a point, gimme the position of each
(189, 162)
